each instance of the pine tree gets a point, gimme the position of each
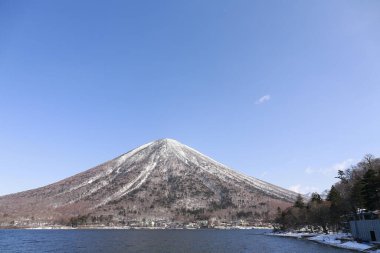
(370, 190)
(299, 202)
(356, 197)
(315, 197)
(337, 208)
(333, 195)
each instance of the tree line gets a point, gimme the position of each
(358, 188)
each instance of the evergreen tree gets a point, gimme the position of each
(337, 207)
(370, 190)
(299, 202)
(315, 197)
(342, 176)
(356, 196)
(333, 196)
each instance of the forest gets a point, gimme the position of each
(358, 190)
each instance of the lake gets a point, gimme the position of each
(154, 241)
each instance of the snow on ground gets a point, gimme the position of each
(291, 234)
(356, 245)
(333, 239)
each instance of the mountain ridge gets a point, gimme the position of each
(163, 178)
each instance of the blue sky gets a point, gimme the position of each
(286, 91)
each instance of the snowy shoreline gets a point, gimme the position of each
(338, 240)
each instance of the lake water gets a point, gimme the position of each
(154, 241)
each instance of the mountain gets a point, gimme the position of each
(160, 181)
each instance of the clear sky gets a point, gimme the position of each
(285, 91)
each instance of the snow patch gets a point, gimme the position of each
(133, 185)
(333, 239)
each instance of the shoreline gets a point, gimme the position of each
(129, 228)
(332, 240)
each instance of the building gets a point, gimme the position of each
(367, 227)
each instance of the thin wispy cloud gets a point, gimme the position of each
(332, 170)
(263, 99)
(303, 189)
